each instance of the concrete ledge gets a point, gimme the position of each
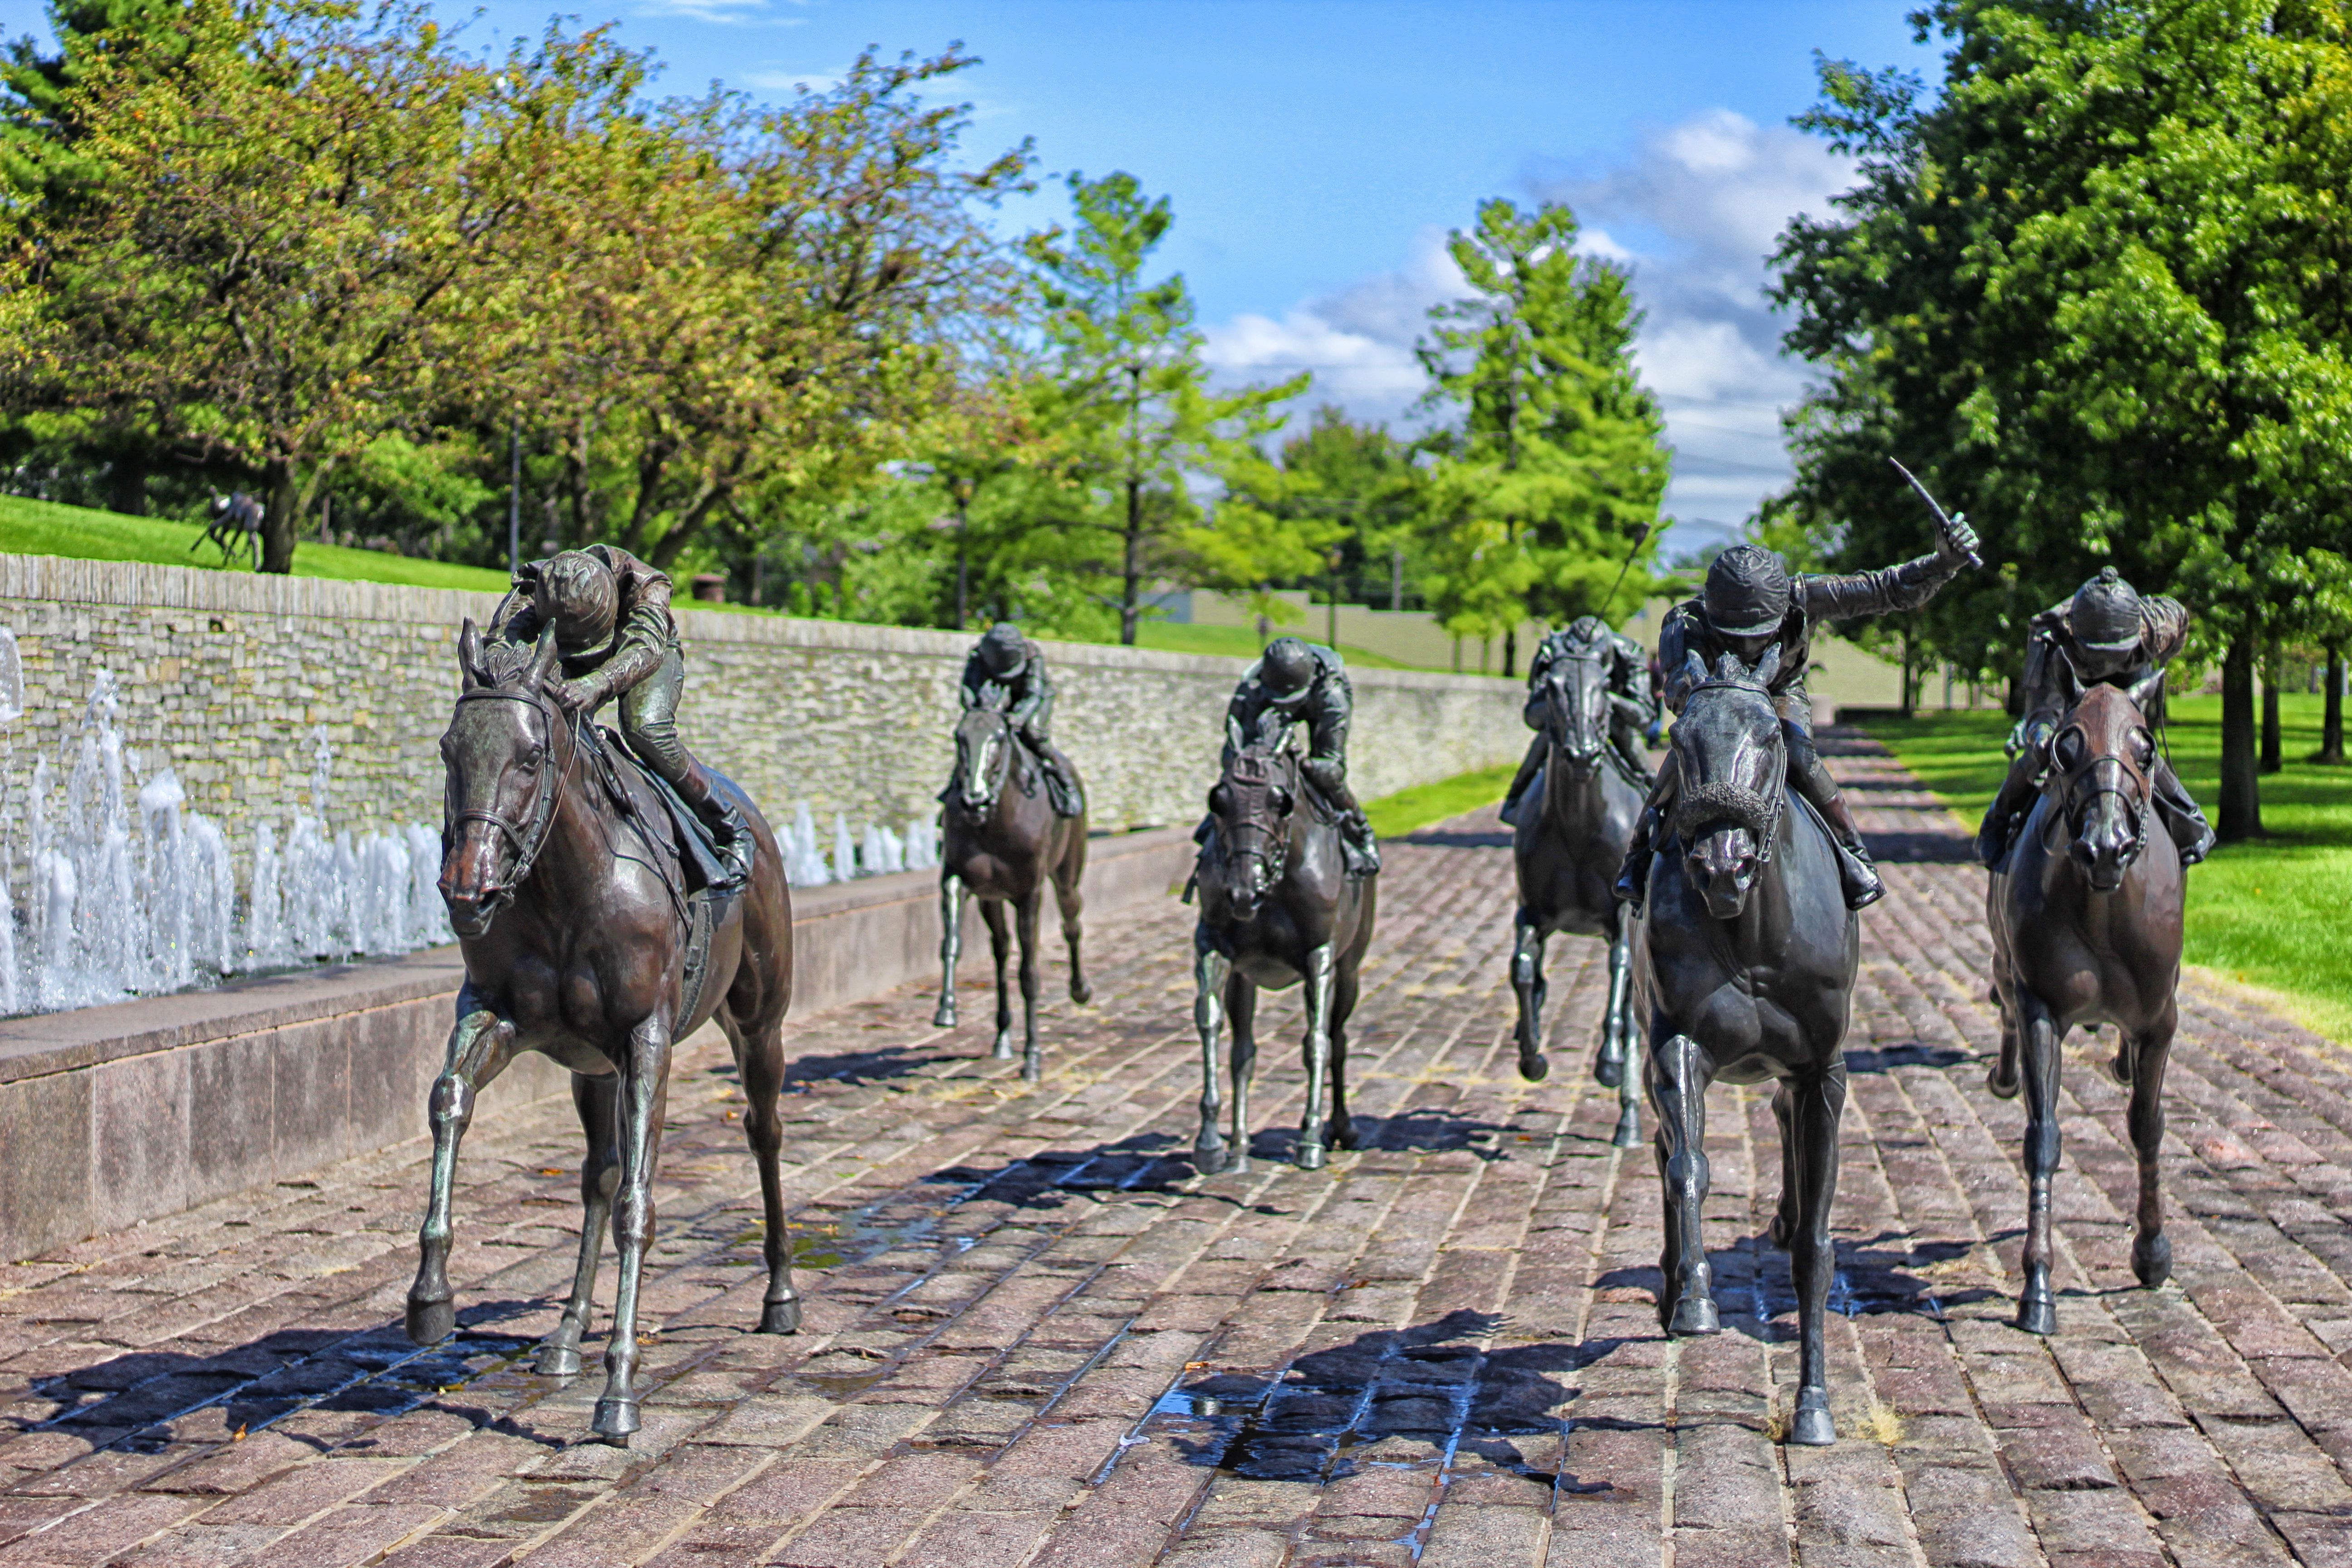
(113, 1115)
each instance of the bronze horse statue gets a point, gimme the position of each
(1744, 964)
(1569, 841)
(561, 872)
(1003, 842)
(1277, 908)
(2086, 928)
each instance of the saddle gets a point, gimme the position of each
(690, 866)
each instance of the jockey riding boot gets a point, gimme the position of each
(2007, 808)
(2183, 817)
(730, 835)
(1357, 845)
(1859, 877)
(1061, 782)
(1632, 882)
(1530, 766)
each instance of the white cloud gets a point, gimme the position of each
(730, 12)
(1694, 213)
(786, 80)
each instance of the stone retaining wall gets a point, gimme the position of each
(229, 678)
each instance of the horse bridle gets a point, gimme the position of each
(2142, 798)
(526, 841)
(1009, 740)
(1276, 859)
(1566, 701)
(1730, 803)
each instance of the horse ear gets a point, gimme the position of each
(1233, 736)
(1693, 669)
(469, 654)
(542, 660)
(2145, 691)
(1768, 666)
(1728, 668)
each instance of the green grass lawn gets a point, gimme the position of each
(45, 528)
(1409, 810)
(2268, 912)
(1241, 642)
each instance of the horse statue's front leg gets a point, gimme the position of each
(1678, 1085)
(644, 1091)
(479, 1048)
(2037, 1309)
(1320, 966)
(951, 896)
(1210, 1155)
(1811, 1124)
(1528, 982)
(1024, 927)
(1611, 1069)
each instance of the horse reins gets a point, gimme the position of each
(527, 843)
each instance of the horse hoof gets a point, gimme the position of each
(2152, 1259)
(1310, 1157)
(2037, 1314)
(1999, 1087)
(1811, 1428)
(781, 1317)
(615, 1419)
(1629, 1130)
(1692, 1315)
(1212, 1161)
(1609, 1071)
(1533, 1066)
(944, 1019)
(1081, 992)
(558, 1360)
(1032, 1070)
(430, 1322)
(1343, 1135)
(1003, 1049)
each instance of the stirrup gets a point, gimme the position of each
(1858, 878)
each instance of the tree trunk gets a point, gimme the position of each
(1131, 590)
(2273, 757)
(963, 562)
(2331, 723)
(1510, 651)
(280, 514)
(1909, 702)
(2242, 788)
(126, 485)
(1396, 577)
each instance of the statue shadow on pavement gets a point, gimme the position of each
(1387, 1397)
(1877, 1275)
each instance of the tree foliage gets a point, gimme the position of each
(2096, 292)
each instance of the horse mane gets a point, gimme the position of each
(503, 663)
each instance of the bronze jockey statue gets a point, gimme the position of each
(1629, 719)
(1750, 604)
(1007, 670)
(1299, 682)
(616, 637)
(2106, 634)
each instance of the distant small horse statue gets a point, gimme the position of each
(232, 526)
(2085, 916)
(1744, 964)
(560, 871)
(1003, 843)
(1569, 844)
(1277, 908)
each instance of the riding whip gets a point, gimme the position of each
(1639, 540)
(1943, 522)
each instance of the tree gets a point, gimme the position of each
(289, 241)
(1130, 395)
(1553, 477)
(2102, 279)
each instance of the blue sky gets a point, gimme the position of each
(1317, 151)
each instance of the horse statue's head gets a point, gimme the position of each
(986, 756)
(1734, 762)
(2102, 779)
(1253, 803)
(1574, 691)
(506, 751)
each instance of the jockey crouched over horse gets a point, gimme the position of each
(2086, 903)
(1002, 842)
(1750, 869)
(1287, 878)
(599, 929)
(1572, 808)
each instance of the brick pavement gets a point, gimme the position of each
(1035, 1338)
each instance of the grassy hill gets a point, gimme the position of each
(45, 528)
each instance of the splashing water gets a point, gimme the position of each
(875, 851)
(132, 893)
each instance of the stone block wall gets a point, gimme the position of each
(230, 678)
